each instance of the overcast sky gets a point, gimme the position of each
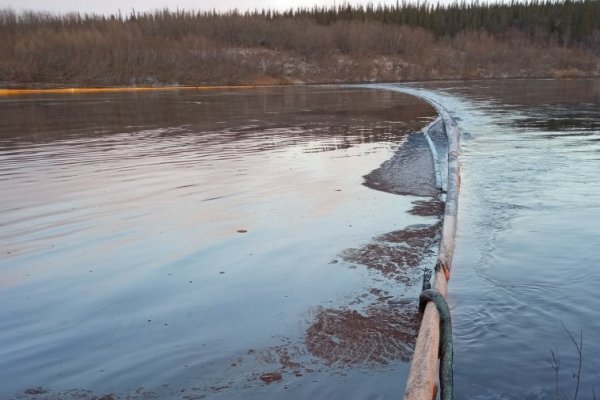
(112, 6)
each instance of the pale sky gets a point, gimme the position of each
(112, 6)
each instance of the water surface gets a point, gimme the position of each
(526, 260)
(207, 244)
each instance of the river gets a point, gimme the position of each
(225, 244)
(207, 243)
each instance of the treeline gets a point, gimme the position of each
(407, 41)
(569, 22)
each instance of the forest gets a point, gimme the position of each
(346, 43)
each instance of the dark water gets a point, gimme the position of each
(194, 244)
(527, 257)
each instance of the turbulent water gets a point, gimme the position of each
(208, 243)
(526, 261)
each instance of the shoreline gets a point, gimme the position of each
(16, 89)
(119, 89)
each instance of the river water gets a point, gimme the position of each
(208, 243)
(204, 244)
(527, 259)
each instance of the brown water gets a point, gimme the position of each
(220, 244)
(526, 260)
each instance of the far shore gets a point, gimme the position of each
(338, 45)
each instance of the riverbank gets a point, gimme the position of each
(339, 45)
(569, 64)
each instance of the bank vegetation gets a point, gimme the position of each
(408, 41)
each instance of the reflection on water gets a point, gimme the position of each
(526, 257)
(235, 114)
(180, 244)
